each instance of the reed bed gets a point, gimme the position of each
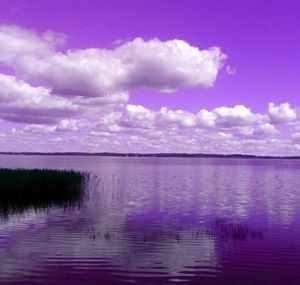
(21, 189)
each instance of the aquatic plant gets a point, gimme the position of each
(237, 232)
(21, 189)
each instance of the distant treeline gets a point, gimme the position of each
(154, 155)
(21, 189)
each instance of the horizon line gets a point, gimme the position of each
(158, 154)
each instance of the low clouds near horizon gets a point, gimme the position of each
(77, 100)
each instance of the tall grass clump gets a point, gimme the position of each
(21, 189)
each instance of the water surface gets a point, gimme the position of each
(160, 221)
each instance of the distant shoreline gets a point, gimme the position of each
(196, 155)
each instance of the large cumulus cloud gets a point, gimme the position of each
(164, 66)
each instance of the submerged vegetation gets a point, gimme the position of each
(21, 189)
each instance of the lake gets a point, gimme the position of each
(160, 221)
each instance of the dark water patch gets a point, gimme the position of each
(22, 189)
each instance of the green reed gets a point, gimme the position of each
(21, 189)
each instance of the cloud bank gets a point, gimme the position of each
(77, 100)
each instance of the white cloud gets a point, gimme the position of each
(22, 102)
(164, 66)
(236, 121)
(168, 66)
(236, 116)
(265, 130)
(67, 125)
(108, 123)
(228, 117)
(206, 119)
(259, 131)
(281, 114)
(137, 116)
(17, 43)
(179, 118)
(38, 129)
(296, 137)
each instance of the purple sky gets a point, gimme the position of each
(113, 76)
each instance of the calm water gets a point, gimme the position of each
(161, 221)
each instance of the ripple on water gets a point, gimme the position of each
(161, 221)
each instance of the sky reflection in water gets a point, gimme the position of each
(219, 221)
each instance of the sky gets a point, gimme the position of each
(150, 76)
